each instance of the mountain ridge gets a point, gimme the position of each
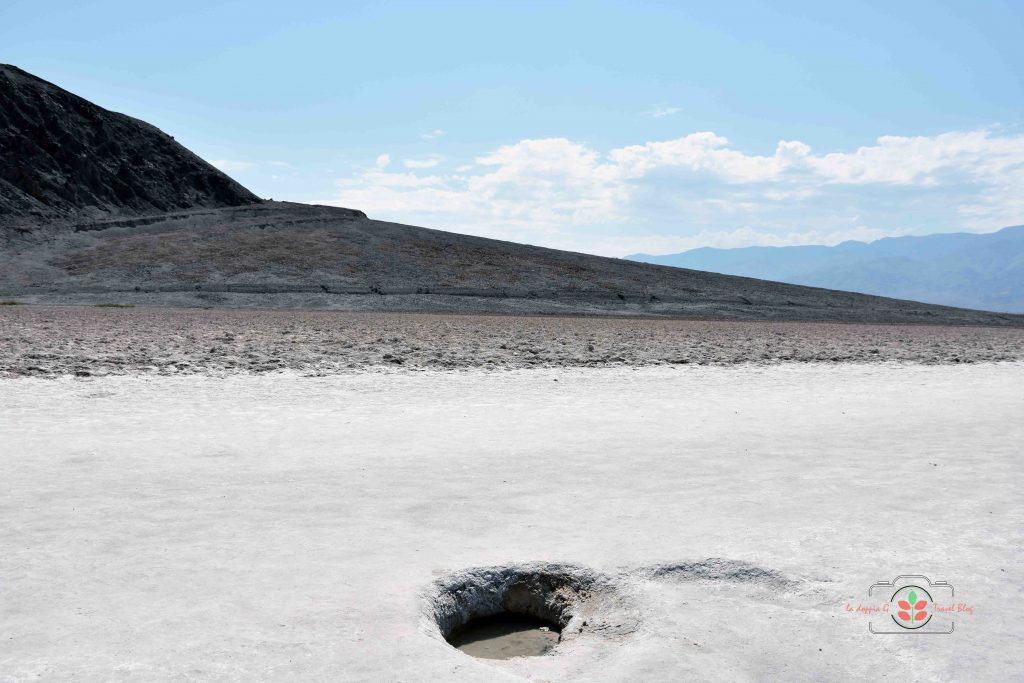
(974, 270)
(63, 158)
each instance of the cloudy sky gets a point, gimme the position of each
(605, 127)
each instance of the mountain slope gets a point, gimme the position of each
(983, 271)
(279, 254)
(64, 158)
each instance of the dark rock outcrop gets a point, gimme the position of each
(63, 158)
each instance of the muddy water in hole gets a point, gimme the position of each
(505, 636)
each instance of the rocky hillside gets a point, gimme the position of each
(63, 158)
(277, 254)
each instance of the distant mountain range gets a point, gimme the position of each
(981, 271)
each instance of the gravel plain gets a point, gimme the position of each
(54, 341)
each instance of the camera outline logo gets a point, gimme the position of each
(911, 607)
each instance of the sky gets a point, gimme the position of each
(603, 127)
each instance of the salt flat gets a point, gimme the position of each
(284, 527)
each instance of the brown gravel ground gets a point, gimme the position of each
(54, 341)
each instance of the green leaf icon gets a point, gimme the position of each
(913, 597)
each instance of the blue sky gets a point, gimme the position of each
(606, 127)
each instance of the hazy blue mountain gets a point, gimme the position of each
(957, 269)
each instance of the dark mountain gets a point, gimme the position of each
(277, 254)
(64, 158)
(98, 207)
(983, 271)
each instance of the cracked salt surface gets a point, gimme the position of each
(269, 527)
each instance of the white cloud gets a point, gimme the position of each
(923, 160)
(699, 190)
(434, 134)
(429, 162)
(539, 185)
(662, 111)
(698, 152)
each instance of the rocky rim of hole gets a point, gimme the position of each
(576, 599)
